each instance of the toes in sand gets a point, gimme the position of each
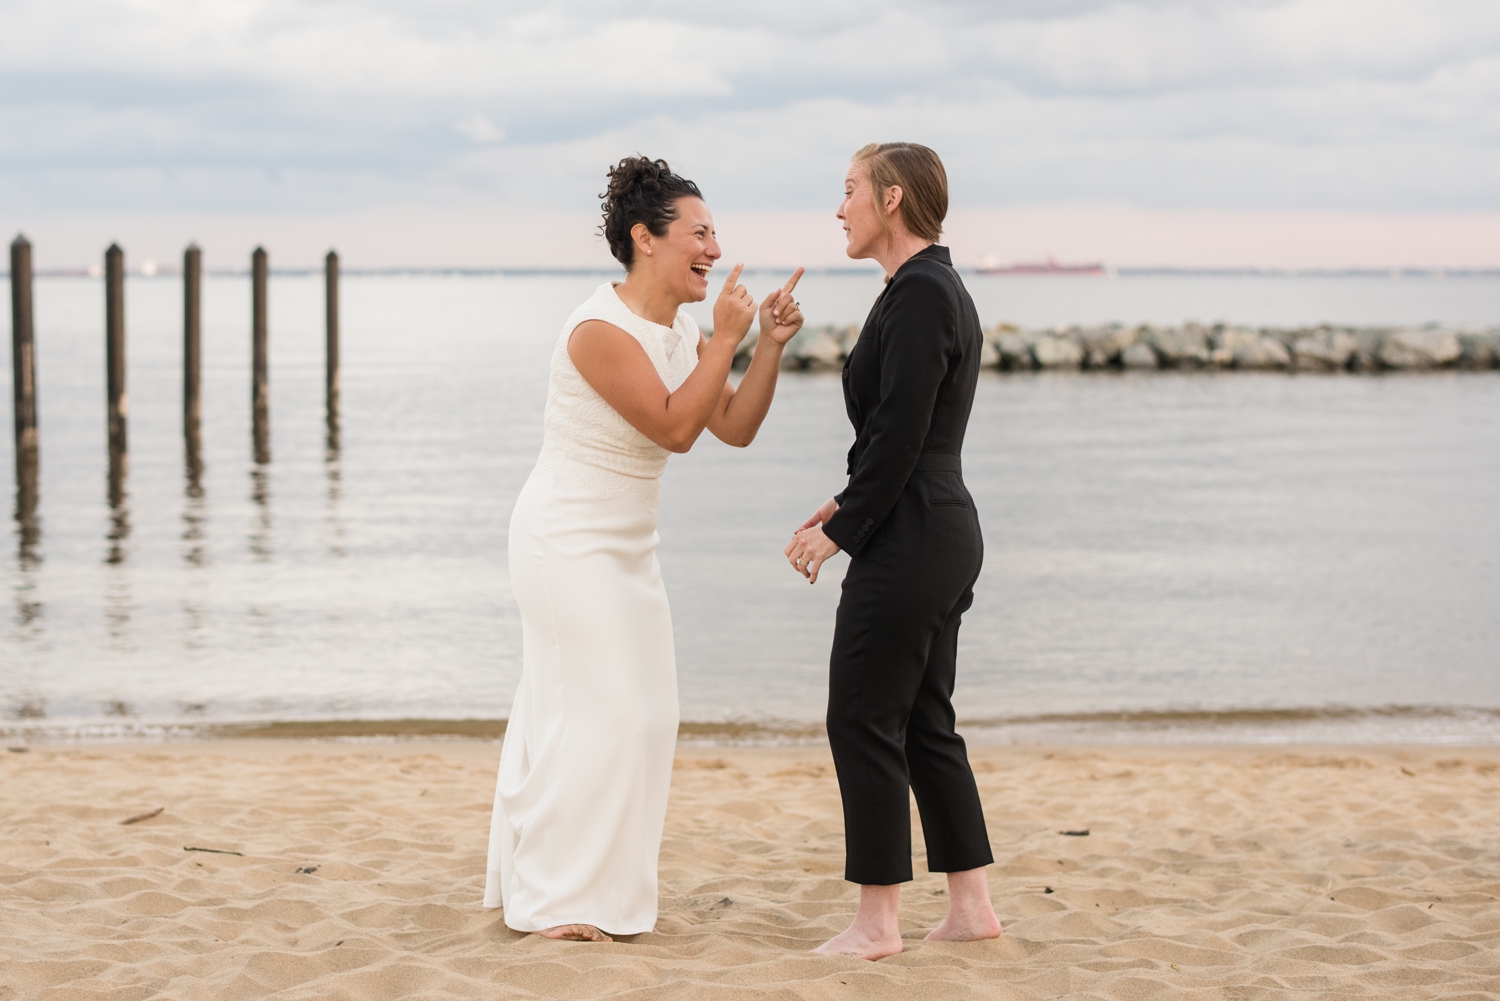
(975, 929)
(852, 943)
(576, 933)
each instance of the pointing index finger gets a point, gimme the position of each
(791, 282)
(733, 279)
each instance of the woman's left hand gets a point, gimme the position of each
(780, 314)
(808, 550)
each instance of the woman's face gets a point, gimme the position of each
(863, 232)
(682, 258)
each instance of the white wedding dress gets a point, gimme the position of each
(587, 759)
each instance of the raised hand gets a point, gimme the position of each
(780, 314)
(734, 309)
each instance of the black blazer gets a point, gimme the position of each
(908, 387)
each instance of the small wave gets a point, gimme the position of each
(1286, 725)
(1394, 724)
(1232, 717)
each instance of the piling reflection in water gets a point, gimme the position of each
(194, 511)
(119, 509)
(260, 614)
(334, 471)
(195, 553)
(118, 595)
(29, 609)
(28, 521)
(260, 527)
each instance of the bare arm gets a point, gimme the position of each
(616, 366)
(740, 411)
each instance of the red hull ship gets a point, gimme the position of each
(1048, 267)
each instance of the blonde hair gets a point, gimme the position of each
(919, 173)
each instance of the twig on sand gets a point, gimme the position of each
(215, 851)
(1076, 834)
(143, 816)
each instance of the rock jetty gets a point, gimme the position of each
(1116, 347)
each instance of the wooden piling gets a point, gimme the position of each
(331, 300)
(260, 393)
(192, 401)
(114, 348)
(23, 368)
(23, 352)
(192, 358)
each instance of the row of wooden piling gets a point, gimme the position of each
(23, 353)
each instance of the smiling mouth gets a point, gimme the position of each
(702, 269)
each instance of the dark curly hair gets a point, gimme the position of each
(645, 191)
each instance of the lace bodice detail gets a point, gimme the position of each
(579, 425)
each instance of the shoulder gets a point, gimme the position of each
(921, 291)
(598, 318)
(604, 305)
(922, 279)
(603, 315)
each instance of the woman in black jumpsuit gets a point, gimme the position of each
(910, 528)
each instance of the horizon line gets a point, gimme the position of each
(1166, 270)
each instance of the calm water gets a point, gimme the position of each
(1168, 543)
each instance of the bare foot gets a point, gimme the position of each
(854, 942)
(971, 916)
(969, 927)
(576, 933)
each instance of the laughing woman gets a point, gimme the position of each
(587, 760)
(912, 535)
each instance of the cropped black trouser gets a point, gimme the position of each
(891, 675)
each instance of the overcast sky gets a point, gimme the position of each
(475, 131)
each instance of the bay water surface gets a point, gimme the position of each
(1169, 556)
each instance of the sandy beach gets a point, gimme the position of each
(1220, 873)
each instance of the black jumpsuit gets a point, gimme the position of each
(910, 528)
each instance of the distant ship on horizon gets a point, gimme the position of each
(1051, 266)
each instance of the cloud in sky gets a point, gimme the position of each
(307, 109)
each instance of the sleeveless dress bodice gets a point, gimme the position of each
(579, 426)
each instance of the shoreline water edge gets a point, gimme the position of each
(1335, 725)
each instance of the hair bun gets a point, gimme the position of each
(640, 190)
(634, 173)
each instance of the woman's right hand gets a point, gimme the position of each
(734, 309)
(821, 515)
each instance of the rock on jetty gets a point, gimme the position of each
(1191, 346)
(811, 349)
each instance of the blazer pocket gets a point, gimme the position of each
(947, 490)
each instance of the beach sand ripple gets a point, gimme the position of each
(358, 869)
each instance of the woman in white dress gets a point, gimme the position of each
(587, 759)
